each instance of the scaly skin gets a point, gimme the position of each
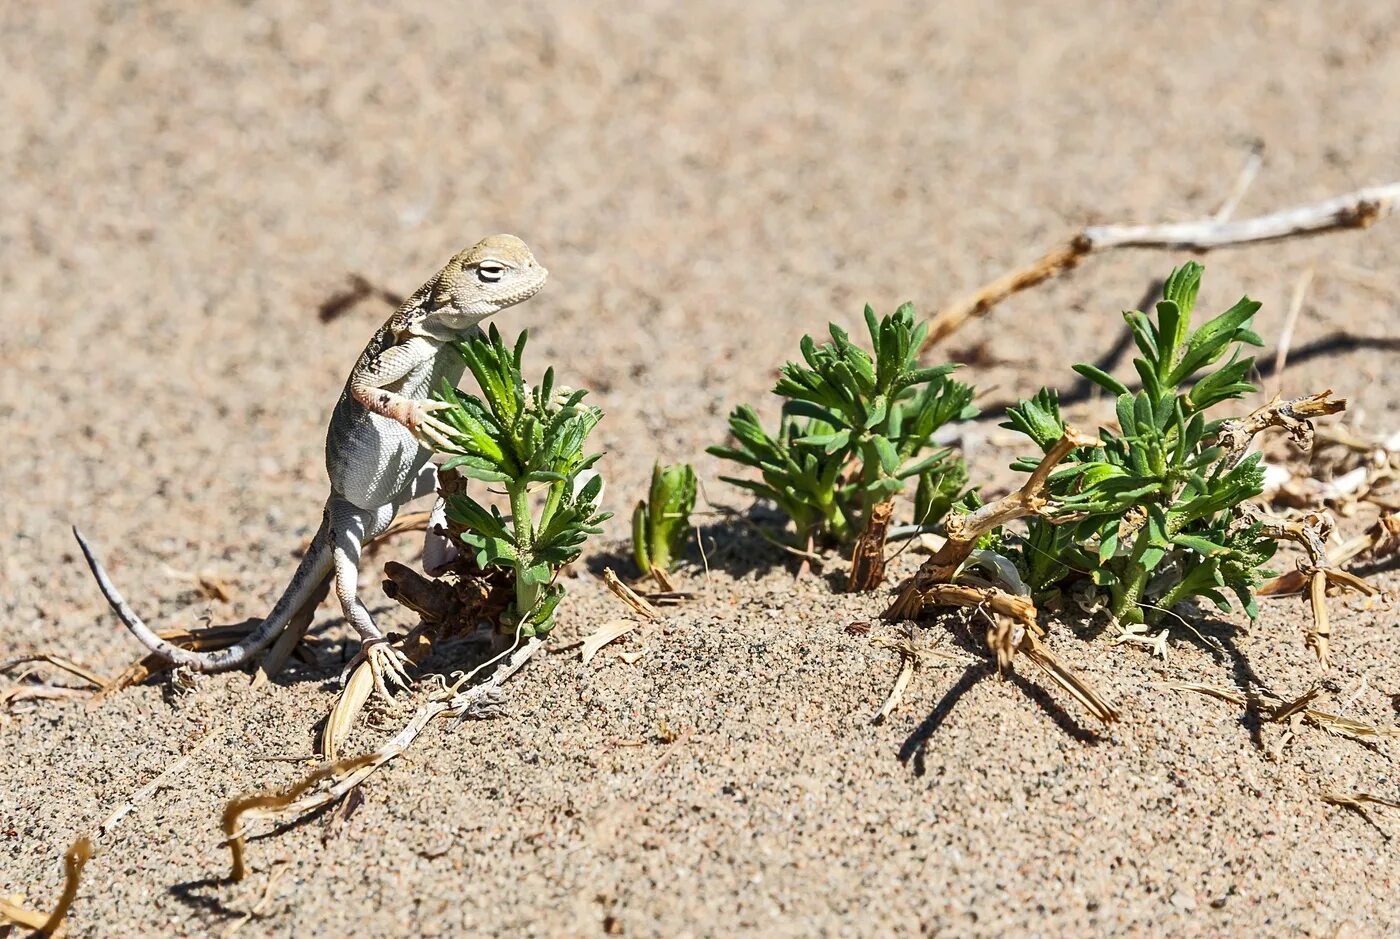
(377, 451)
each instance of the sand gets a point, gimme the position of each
(183, 191)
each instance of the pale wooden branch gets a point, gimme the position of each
(1358, 209)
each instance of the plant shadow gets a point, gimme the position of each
(916, 744)
(733, 543)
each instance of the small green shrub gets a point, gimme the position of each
(520, 439)
(1153, 516)
(856, 428)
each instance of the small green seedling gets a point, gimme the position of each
(661, 522)
(855, 429)
(1153, 516)
(521, 439)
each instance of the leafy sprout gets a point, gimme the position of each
(661, 522)
(522, 439)
(855, 429)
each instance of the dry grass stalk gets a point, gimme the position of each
(60, 662)
(628, 596)
(868, 556)
(909, 662)
(963, 530)
(1356, 800)
(46, 926)
(149, 789)
(1268, 708)
(264, 803)
(1290, 323)
(1355, 210)
(1067, 678)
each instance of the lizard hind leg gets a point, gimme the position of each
(350, 527)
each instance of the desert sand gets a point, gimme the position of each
(185, 190)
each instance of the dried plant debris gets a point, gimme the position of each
(51, 924)
(611, 630)
(327, 784)
(1356, 800)
(451, 606)
(1346, 471)
(1271, 708)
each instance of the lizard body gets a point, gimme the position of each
(377, 453)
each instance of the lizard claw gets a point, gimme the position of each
(434, 433)
(387, 665)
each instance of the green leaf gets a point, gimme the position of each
(1101, 378)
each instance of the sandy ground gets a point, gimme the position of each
(183, 191)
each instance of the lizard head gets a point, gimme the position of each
(491, 275)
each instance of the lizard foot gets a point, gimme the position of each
(388, 665)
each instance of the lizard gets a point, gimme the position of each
(378, 454)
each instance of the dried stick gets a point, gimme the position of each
(481, 700)
(964, 530)
(47, 926)
(1252, 164)
(1311, 533)
(1359, 209)
(1290, 323)
(1293, 416)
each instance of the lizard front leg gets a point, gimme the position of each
(369, 388)
(350, 526)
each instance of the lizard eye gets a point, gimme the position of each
(490, 272)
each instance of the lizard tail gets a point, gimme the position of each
(314, 567)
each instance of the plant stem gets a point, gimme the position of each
(526, 594)
(1128, 587)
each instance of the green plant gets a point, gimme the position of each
(855, 428)
(522, 439)
(1153, 516)
(661, 522)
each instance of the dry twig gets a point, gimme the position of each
(963, 530)
(1355, 210)
(47, 926)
